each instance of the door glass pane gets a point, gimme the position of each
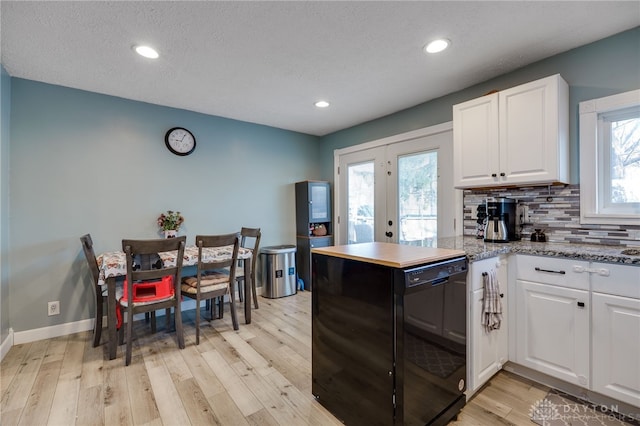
(319, 206)
(418, 199)
(360, 199)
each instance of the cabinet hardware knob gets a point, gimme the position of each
(549, 270)
(501, 295)
(581, 304)
(494, 175)
(503, 174)
(389, 234)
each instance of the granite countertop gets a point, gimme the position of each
(477, 250)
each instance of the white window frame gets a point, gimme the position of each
(594, 163)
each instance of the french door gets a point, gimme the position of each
(398, 189)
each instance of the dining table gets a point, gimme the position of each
(113, 264)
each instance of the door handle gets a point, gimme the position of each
(389, 234)
(551, 271)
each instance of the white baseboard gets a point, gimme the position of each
(6, 344)
(28, 336)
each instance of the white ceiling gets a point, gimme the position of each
(268, 62)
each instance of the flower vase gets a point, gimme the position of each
(170, 233)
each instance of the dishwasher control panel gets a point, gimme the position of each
(435, 273)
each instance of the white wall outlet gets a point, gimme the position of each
(53, 308)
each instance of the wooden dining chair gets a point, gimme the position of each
(248, 236)
(213, 277)
(148, 290)
(100, 293)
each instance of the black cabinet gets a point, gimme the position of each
(353, 340)
(313, 210)
(313, 206)
(303, 259)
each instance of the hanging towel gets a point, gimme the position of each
(491, 305)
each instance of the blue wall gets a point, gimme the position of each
(603, 68)
(5, 116)
(82, 162)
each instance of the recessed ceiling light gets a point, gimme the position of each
(437, 45)
(146, 51)
(322, 104)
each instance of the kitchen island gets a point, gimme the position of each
(381, 314)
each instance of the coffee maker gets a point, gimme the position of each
(501, 220)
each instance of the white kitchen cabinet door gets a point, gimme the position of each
(534, 119)
(488, 351)
(475, 142)
(553, 331)
(516, 136)
(489, 348)
(616, 347)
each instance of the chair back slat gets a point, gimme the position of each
(217, 241)
(90, 255)
(255, 234)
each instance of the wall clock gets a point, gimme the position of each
(180, 141)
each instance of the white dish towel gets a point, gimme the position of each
(491, 303)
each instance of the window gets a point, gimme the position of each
(610, 160)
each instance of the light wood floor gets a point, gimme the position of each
(259, 375)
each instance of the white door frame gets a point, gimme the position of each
(402, 137)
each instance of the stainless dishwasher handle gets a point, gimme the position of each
(551, 271)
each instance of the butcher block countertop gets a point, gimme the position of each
(389, 254)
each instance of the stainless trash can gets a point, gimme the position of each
(278, 271)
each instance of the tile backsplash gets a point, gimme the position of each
(555, 210)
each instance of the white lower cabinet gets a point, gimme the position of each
(488, 350)
(615, 330)
(580, 322)
(553, 331)
(573, 320)
(552, 318)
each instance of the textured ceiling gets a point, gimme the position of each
(268, 62)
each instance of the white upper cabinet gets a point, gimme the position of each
(513, 137)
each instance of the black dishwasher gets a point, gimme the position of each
(389, 344)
